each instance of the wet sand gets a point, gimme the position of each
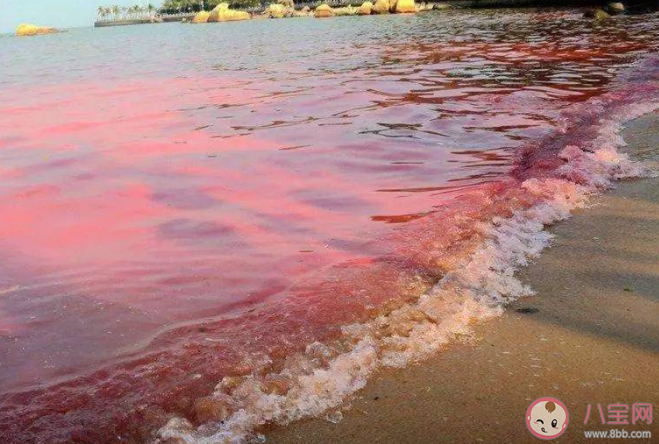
(589, 336)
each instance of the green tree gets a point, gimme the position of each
(243, 4)
(103, 12)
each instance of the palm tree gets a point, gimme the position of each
(116, 9)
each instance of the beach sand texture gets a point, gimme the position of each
(589, 336)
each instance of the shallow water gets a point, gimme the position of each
(181, 203)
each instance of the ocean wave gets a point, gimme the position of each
(561, 175)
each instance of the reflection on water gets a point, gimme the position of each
(191, 198)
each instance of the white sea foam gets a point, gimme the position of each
(320, 379)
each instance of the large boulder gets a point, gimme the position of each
(405, 6)
(222, 13)
(323, 11)
(201, 17)
(380, 7)
(365, 8)
(231, 15)
(615, 8)
(276, 10)
(287, 3)
(28, 29)
(214, 15)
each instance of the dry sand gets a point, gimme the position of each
(590, 335)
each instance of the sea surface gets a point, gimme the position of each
(186, 206)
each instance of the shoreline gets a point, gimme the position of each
(144, 21)
(299, 9)
(587, 337)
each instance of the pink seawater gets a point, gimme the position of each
(180, 203)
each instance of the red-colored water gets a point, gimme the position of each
(162, 230)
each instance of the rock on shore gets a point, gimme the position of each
(222, 13)
(381, 7)
(201, 17)
(615, 8)
(28, 29)
(276, 10)
(323, 11)
(365, 8)
(285, 8)
(394, 6)
(405, 6)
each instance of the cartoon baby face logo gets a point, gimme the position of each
(547, 418)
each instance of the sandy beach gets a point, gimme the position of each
(589, 336)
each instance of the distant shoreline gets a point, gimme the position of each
(471, 4)
(143, 21)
